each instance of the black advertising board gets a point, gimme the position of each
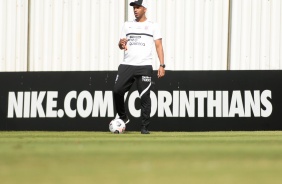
(182, 101)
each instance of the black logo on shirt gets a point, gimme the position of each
(134, 40)
(137, 43)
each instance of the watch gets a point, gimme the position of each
(162, 65)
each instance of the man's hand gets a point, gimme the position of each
(161, 72)
(160, 52)
(122, 44)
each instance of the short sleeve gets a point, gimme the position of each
(122, 33)
(157, 32)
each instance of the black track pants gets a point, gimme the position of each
(126, 76)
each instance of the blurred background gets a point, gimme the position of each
(82, 35)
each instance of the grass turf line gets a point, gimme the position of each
(161, 157)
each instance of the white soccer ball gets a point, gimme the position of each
(117, 126)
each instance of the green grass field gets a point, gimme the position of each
(161, 157)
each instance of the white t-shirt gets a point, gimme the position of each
(141, 38)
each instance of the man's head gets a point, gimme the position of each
(143, 3)
(140, 8)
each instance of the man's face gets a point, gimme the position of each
(139, 11)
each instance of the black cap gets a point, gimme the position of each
(139, 3)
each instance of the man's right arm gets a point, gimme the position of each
(123, 41)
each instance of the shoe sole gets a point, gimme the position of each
(145, 132)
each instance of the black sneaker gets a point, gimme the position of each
(144, 131)
(126, 120)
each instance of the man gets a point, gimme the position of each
(137, 40)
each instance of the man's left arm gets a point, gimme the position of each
(160, 52)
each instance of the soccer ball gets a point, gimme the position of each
(117, 126)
